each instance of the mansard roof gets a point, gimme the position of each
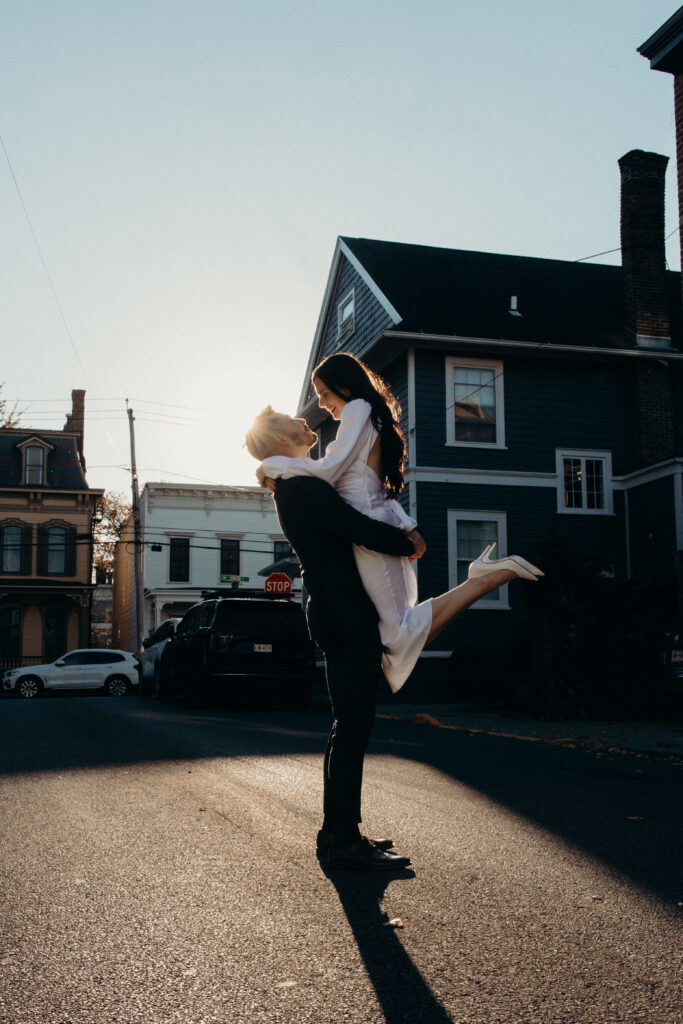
(470, 294)
(64, 467)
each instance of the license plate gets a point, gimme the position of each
(263, 648)
(677, 657)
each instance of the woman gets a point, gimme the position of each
(365, 464)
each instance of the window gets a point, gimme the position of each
(474, 403)
(281, 549)
(56, 550)
(34, 465)
(10, 633)
(584, 482)
(468, 534)
(346, 315)
(230, 557)
(11, 548)
(179, 560)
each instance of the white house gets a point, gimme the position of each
(194, 538)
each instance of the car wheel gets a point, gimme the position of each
(116, 686)
(29, 686)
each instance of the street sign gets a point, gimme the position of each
(278, 583)
(226, 578)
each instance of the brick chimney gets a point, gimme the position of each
(643, 256)
(75, 420)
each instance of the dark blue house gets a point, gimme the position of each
(541, 399)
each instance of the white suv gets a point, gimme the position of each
(85, 669)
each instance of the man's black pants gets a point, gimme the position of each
(352, 677)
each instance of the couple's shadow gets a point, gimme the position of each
(401, 990)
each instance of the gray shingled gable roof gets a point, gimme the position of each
(64, 468)
(467, 293)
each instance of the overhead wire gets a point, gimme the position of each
(43, 261)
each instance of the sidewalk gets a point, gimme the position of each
(658, 738)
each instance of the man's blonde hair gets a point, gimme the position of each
(261, 436)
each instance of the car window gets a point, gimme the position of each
(102, 657)
(164, 631)
(206, 613)
(77, 658)
(271, 615)
(190, 621)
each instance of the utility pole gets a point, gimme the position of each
(137, 534)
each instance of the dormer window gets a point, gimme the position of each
(346, 315)
(35, 465)
(34, 454)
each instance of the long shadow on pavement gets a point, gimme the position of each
(401, 990)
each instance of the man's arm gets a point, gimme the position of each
(344, 521)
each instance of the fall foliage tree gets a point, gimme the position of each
(111, 516)
(8, 417)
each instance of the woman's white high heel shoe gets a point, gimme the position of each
(483, 565)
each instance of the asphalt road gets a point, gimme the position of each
(158, 866)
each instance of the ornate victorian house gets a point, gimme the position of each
(46, 513)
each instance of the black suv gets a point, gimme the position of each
(243, 647)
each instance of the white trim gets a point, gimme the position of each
(365, 277)
(453, 515)
(605, 457)
(350, 296)
(341, 249)
(678, 509)
(517, 478)
(451, 362)
(649, 474)
(493, 477)
(539, 346)
(412, 438)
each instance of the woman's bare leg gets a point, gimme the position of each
(448, 606)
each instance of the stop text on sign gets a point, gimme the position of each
(278, 583)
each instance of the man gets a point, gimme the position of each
(342, 620)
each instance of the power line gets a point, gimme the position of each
(42, 260)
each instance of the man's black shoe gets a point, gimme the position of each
(365, 856)
(324, 841)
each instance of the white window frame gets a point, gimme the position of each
(608, 485)
(492, 364)
(500, 518)
(350, 320)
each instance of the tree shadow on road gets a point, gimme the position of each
(622, 810)
(401, 991)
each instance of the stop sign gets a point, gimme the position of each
(278, 583)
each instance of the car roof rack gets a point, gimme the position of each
(247, 592)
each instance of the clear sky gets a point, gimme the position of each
(187, 166)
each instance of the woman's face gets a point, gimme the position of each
(328, 399)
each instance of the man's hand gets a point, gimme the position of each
(269, 483)
(418, 543)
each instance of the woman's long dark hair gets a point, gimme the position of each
(349, 378)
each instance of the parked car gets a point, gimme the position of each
(242, 646)
(87, 669)
(671, 657)
(150, 659)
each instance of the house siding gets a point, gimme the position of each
(548, 405)
(370, 317)
(652, 538)
(532, 524)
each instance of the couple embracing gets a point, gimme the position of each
(355, 544)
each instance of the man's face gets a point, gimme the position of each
(297, 432)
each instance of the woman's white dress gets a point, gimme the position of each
(389, 580)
